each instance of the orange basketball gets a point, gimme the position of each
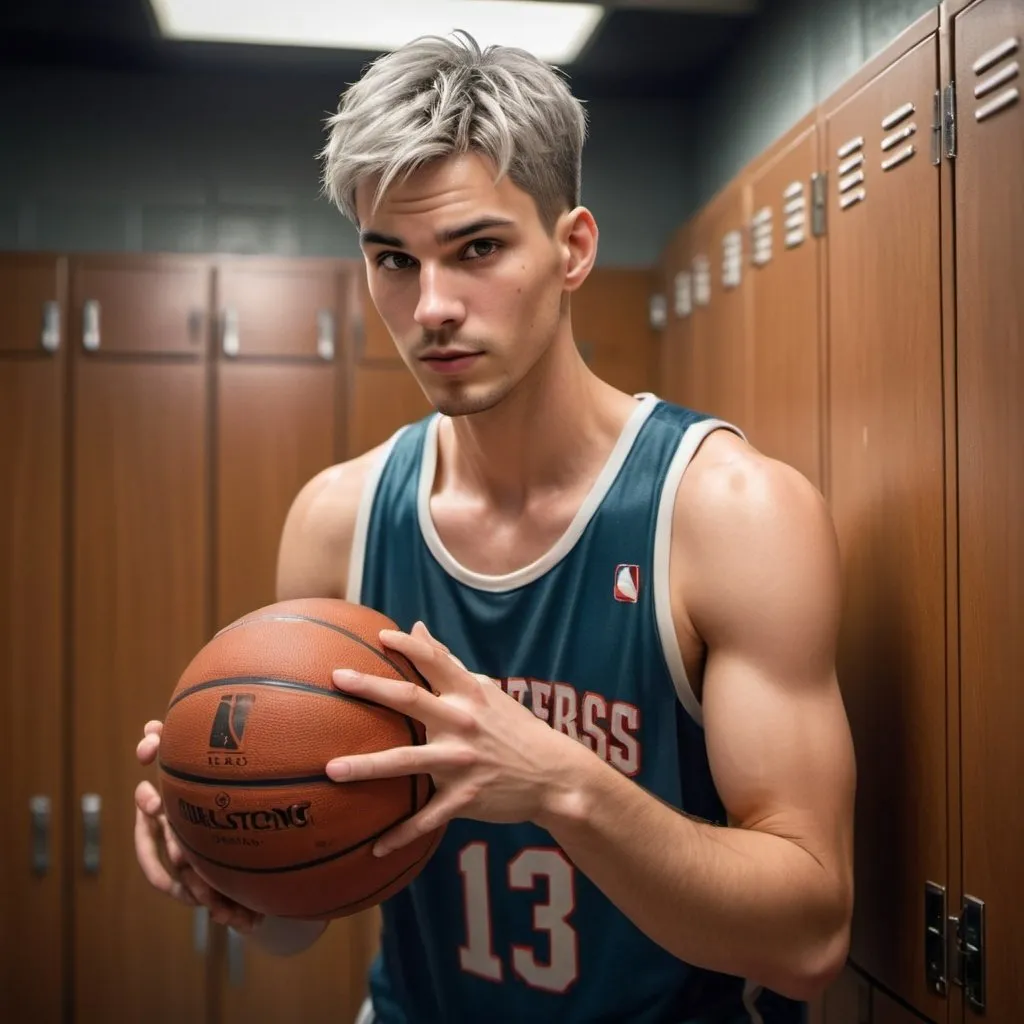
(248, 733)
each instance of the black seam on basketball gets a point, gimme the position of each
(369, 896)
(275, 783)
(337, 629)
(292, 684)
(288, 867)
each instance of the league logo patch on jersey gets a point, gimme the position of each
(627, 583)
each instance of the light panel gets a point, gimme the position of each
(554, 32)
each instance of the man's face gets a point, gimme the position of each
(466, 278)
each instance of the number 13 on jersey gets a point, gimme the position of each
(529, 869)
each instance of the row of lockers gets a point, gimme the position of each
(158, 416)
(853, 300)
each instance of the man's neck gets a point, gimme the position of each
(553, 433)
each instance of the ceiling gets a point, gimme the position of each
(654, 48)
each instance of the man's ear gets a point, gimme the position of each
(578, 233)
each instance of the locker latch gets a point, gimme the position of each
(955, 945)
(967, 953)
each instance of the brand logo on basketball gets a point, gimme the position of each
(229, 721)
(270, 819)
(627, 583)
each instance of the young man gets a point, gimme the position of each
(647, 775)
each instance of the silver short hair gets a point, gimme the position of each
(438, 97)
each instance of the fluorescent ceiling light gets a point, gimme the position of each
(554, 32)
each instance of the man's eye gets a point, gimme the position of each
(395, 261)
(481, 247)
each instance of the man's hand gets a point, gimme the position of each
(490, 757)
(161, 858)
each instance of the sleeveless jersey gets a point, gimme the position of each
(500, 926)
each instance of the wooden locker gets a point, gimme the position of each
(848, 1000)
(676, 277)
(33, 723)
(728, 340)
(698, 390)
(987, 40)
(276, 399)
(887, 494)
(886, 1010)
(783, 268)
(139, 611)
(278, 394)
(611, 325)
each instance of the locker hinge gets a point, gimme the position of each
(949, 120)
(937, 128)
(955, 946)
(819, 201)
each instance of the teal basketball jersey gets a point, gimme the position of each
(500, 926)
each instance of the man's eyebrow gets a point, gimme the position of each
(476, 227)
(443, 237)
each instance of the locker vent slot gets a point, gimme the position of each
(850, 147)
(1001, 102)
(684, 294)
(897, 137)
(898, 158)
(996, 54)
(899, 114)
(732, 258)
(848, 165)
(990, 84)
(845, 184)
(761, 236)
(701, 281)
(851, 198)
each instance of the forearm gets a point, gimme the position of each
(734, 900)
(285, 936)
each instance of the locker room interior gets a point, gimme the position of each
(811, 219)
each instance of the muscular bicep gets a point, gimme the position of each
(766, 601)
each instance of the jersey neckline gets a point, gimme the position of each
(565, 543)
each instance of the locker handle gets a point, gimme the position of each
(229, 332)
(325, 334)
(40, 811)
(236, 958)
(91, 805)
(50, 338)
(91, 325)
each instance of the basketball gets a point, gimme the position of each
(249, 730)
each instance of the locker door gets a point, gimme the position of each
(888, 501)
(277, 413)
(140, 611)
(727, 344)
(699, 390)
(610, 318)
(783, 269)
(32, 599)
(276, 398)
(677, 287)
(989, 218)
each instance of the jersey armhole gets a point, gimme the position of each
(687, 448)
(357, 553)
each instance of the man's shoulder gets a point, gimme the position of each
(746, 526)
(318, 530)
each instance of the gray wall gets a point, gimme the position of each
(102, 161)
(792, 58)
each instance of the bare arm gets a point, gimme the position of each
(769, 898)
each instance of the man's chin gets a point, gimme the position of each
(466, 401)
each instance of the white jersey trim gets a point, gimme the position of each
(691, 440)
(564, 544)
(357, 553)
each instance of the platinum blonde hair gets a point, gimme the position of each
(438, 97)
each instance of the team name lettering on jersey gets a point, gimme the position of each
(610, 728)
